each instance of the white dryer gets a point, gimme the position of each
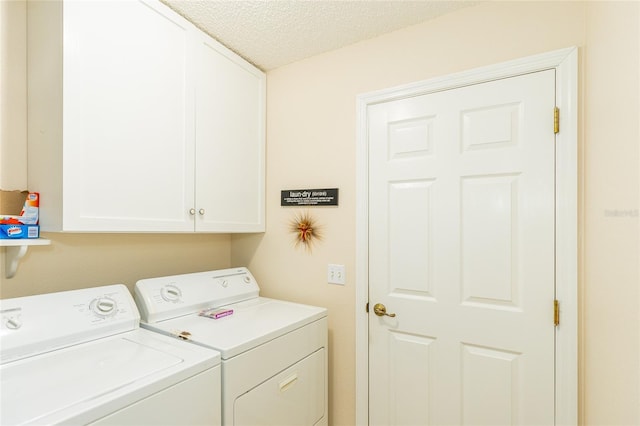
(80, 357)
(274, 353)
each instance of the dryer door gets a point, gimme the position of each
(294, 396)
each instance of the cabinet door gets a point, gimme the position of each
(127, 117)
(230, 141)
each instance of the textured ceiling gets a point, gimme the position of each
(272, 33)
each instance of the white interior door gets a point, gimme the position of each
(461, 250)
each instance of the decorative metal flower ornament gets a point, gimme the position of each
(305, 229)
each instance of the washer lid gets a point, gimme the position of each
(38, 387)
(252, 323)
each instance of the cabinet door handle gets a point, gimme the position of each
(192, 212)
(201, 212)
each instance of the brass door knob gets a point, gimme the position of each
(380, 310)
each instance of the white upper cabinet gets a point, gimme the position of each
(230, 143)
(134, 128)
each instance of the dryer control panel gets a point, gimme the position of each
(41, 323)
(168, 297)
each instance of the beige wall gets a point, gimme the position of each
(312, 144)
(13, 95)
(85, 260)
(611, 280)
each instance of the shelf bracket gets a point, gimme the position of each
(15, 251)
(13, 256)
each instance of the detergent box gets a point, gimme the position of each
(23, 224)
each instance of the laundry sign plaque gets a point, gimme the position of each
(309, 197)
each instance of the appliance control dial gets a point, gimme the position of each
(11, 318)
(13, 323)
(104, 306)
(247, 279)
(171, 293)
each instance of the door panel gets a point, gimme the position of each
(488, 371)
(294, 396)
(410, 227)
(229, 142)
(461, 249)
(489, 213)
(128, 140)
(411, 356)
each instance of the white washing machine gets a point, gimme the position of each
(80, 357)
(274, 353)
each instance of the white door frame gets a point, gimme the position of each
(565, 62)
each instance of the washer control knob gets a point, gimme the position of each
(171, 293)
(104, 306)
(13, 323)
(247, 280)
(224, 283)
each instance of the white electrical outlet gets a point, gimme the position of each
(335, 274)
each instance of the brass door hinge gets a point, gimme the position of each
(367, 307)
(556, 120)
(556, 313)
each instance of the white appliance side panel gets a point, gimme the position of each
(194, 401)
(295, 396)
(244, 372)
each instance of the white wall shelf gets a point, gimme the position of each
(15, 251)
